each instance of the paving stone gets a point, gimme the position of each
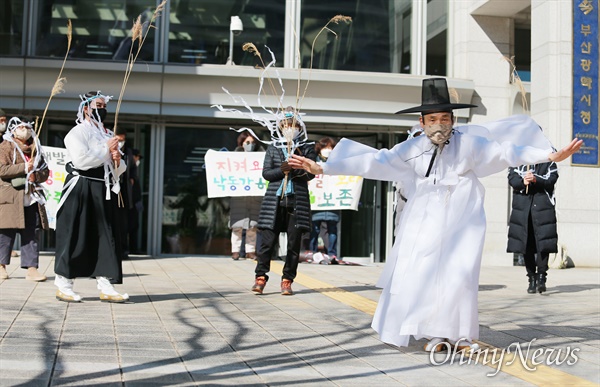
(200, 325)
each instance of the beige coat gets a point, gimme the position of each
(12, 213)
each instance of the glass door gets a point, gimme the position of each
(191, 222)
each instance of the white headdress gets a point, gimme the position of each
(272, 120)
(94, 117)
(38, 162)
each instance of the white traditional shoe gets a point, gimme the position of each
(108, 292)
(67, 295)
(436, 344)
(118, 298)
(464, 345)
(65, 290)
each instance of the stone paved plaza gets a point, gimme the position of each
(193, 321)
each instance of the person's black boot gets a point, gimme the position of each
(541, 283)
(532, 285)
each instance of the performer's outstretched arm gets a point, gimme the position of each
(300, 162)
(566, 151)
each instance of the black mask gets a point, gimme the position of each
(100, 113)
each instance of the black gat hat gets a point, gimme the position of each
(435, 98)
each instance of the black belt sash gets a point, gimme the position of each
(95, 173)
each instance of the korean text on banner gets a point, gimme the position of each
(56, 160)
(234, 173)
(335, 192)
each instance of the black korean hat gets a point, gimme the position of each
(435, 98)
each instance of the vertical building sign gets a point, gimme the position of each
(586, 60)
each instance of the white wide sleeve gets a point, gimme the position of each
(509, 142)
(86, 152)
(356, 159)
(489, 157)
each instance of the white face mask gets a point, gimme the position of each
(325, 152)
(137, 163)
(290, 132)
(249, 147)
(3, 127)
(121, 144)
(22, 133)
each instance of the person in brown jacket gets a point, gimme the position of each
(22, 207)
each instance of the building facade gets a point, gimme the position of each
(361, 73)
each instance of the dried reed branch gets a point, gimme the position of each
(454, 97)
(517, 80)
(33, 147)
(137, 34)
(251, 48)
(288, 134)
(58, 86)
(336, 20)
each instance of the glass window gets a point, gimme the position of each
(523, 53)
(193, 223)
(11, 27)
(199, 30)
(101, 29)
(378, 39)
(437, 27)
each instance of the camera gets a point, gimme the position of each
(236, 27)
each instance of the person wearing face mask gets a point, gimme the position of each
(127, 181)
(323, 147)
(138, 206)
(532, 227)
(22, 210)
(244, 210)
(286, 204)
(88, 223)
(431, 277)
(3, 123)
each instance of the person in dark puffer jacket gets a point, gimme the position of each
(532, 227)
(285, 208)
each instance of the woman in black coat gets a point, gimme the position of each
(532, 227)
(283, 211)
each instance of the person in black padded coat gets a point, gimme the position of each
(285, 206)
(532, 225)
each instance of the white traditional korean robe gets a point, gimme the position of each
(431, 277)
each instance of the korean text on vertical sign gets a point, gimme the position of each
(586, 61)
(56, 160)
(335, 192)
(234, 173)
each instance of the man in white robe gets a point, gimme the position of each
(431, 277)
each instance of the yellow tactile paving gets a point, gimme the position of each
(543, 376)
